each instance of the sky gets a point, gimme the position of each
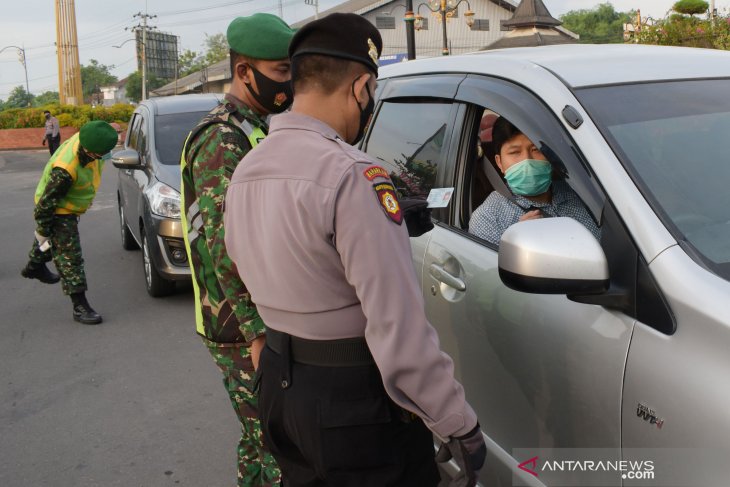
(101, 24)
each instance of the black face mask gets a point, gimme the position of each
(273, 96)
(365, 113)
(47, 116)
(85, 157)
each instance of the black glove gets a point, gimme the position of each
(469, 453)
(417, 216)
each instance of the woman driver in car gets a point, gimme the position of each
(528, 175)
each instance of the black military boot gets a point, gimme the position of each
(38, 271)
(83, 312)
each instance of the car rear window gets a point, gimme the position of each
(671, 137)
(170, 133)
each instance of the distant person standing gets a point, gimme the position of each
(53, 132)
(66, 189)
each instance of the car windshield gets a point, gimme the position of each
(170, 133)
(671, 138)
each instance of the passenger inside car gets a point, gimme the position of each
(532, 191)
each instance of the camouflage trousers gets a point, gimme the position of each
(256, 466)
(66, 253)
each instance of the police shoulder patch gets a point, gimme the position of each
(389, 201)
(373, 172)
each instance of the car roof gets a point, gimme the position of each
(166, 105)
(580, 65)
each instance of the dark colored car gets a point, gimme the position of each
(149, 186)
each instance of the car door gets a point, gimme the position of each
(140, 178)
(128, 194)
(412, 152)
(540, 370)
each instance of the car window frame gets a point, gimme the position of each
(133, 133)
(144, 128)
(632, 286)
(439, 88)
(515, 102)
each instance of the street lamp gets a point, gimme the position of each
(446, 9)
(21, 59)
(409, 19)
(144, 65)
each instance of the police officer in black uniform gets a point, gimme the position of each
(352, 379)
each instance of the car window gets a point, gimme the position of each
(408, 139)
(143, 137)
(170, 133)
(672, 142)
(134, 131)
(519, 180)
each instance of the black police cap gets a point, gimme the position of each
(345, 36)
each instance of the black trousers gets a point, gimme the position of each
(53, 142)
(336, 427)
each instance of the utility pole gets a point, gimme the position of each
(144, 16)
(281, 10)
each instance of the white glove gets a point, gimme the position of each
(44, 243)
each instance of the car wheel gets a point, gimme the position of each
(156, 285)
(128, 242)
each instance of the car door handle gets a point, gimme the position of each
(440, 274)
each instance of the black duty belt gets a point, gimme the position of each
(347, 352)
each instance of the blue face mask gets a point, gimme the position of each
(529, 177)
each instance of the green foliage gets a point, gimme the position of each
(67, 115)
(134, 85)
(600, 25)
(189, 62)
(678, 30)
(94, 76)
(19, 98)
(47, 98)
(691, 7)
(216, 49)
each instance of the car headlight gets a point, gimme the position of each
(164, 201)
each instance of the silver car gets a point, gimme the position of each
(149, 186)
(569, 347)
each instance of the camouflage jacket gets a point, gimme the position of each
(59, 182)
(224, 311)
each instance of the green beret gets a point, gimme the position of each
(260, 36)
(98, 137)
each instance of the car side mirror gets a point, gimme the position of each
(552, 256)
(126, 159)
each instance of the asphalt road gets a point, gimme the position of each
(135, 401)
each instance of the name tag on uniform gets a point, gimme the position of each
(439, 197)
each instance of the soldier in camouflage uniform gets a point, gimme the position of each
(66, 189)
(226, 318)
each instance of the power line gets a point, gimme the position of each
(227, 16)
(210, 7)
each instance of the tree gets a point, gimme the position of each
(47, 97)
(691, 7)
(216, 48)
(94, 76)
(134, 85)
(189, 62)
(600, 25)
(19, 98)
(688, 31)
